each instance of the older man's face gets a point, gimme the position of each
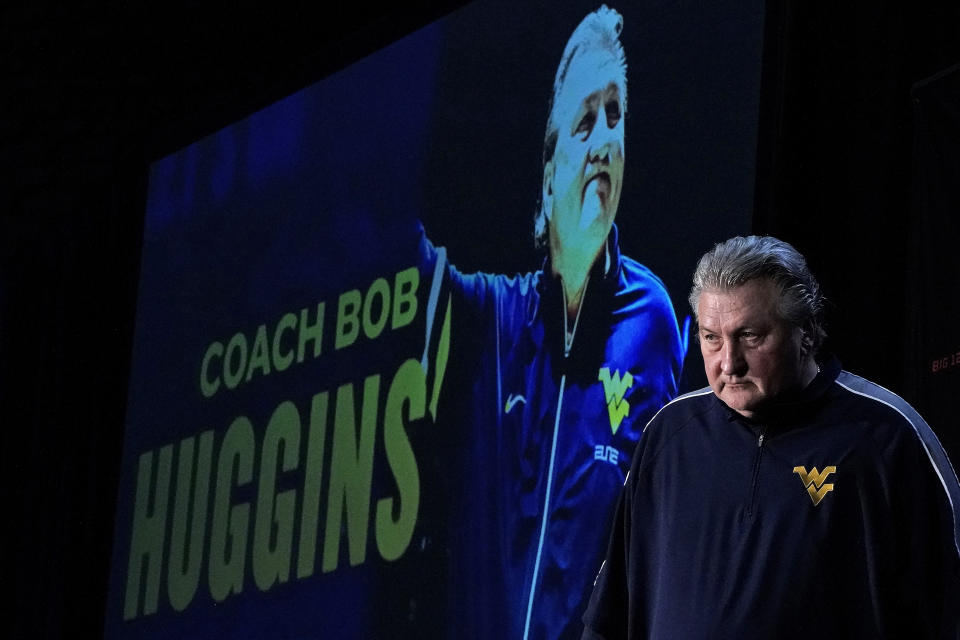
(586, 171)
(750, 354)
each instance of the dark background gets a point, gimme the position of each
(856, 170)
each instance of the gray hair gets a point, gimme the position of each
(599, 31)
(735, 262)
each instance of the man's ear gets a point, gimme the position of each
(547, 197)
(806, 339)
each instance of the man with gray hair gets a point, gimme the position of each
(789, 499)
(564, 365)
(583, 155)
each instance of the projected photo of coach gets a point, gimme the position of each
(553, 373)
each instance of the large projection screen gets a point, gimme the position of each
(363, 402)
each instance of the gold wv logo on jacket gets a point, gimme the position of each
(814, 482)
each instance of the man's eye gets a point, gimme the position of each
(613, 113)
(586, 123)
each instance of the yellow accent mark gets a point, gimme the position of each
(614, 388)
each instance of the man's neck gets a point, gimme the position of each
(573, 299)
(573, 270)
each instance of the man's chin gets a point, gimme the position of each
(740, 399)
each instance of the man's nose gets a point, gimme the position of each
(601, 144)
(731, 359)
(600, 154)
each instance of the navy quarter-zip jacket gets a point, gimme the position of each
(835, 516)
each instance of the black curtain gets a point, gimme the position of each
(932, 344)
(835, 170)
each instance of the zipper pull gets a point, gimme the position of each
(760, 440)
